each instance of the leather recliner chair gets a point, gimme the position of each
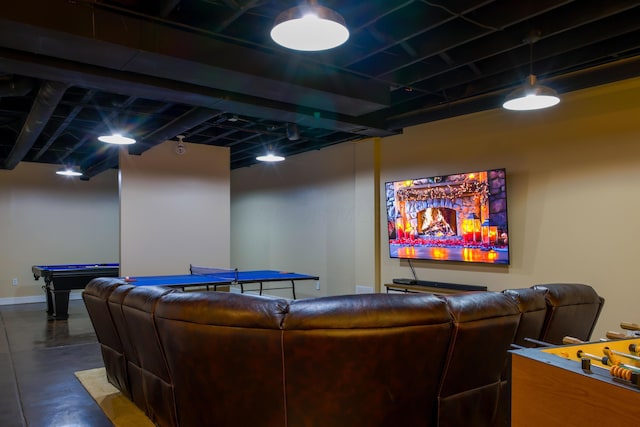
(365, 360)
(151, 385)
(224, 358)
(484, 324)
(572, 310)
(96, 296)
(532, 307)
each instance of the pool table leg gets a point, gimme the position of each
(46, 288)
(57, 304)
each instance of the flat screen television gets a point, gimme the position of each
(459, 217)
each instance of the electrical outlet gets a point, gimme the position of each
(14, 281)
(317, 285)
(364, 289)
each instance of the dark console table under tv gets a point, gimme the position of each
(416, 286)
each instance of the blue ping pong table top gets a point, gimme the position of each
(253, 276)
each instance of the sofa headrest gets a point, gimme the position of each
(558, 294)
(119, 293)
(223, 309)
(102, 287)
(528, 299)
(145, 298)
(366, 311)
(472, 306)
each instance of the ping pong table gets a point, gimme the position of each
(212, 278)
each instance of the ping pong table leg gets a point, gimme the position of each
(293, 288)
(260, 288)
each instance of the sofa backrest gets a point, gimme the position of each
(114, 303)
(532, 305)
(364, 360)
(157, 400)
(533, 308)
(572, 309)
(95, 296)
(225, 358)
(484, 325)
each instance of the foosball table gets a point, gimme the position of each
(582, 384)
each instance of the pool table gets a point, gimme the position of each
(59, 280)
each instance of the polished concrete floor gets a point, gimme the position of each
(38, 359)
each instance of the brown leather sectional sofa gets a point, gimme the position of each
(225, 359)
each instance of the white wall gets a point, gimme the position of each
(300, 215)
(50, 219)
(174, 209)
(572, 183)
(572, 187)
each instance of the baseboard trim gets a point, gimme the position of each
(34, 299)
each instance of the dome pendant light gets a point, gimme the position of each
(270, 156)
(531, 95)
(116, 139)
(309, 28)
(69, 171)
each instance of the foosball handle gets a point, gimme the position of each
(571, 340)
(630, 326)
(612, 360)
(613, 335)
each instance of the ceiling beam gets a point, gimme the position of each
(153, 88)
(76, 31)
(45, 103)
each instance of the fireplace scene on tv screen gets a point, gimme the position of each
(461, 217)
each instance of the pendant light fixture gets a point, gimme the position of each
(69, 171)
(270, 156)
(531, 95)
(116, 139)
(310, 27)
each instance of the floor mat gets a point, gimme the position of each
(120, 410)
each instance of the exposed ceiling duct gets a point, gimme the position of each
(45, 103)
(16, 86)
(146, 64)
(176, 127)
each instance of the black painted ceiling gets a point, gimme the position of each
(71, 70)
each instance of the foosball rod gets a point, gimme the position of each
(608, 351)
(606, 362)
(602, 359)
